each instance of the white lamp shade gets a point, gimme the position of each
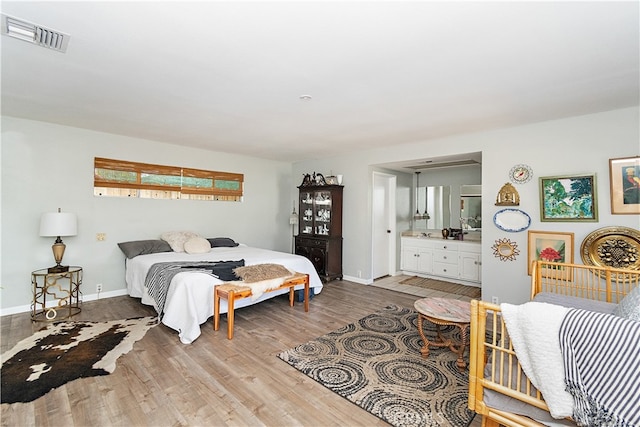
(293, 219)
(58, 224)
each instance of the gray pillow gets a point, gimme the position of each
(629, 307)
(143, 247)
(576, 302)
(222, 242)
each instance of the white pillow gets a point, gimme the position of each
(176, 239)
(197, 245)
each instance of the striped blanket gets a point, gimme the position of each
(602, 368)
(585, 364)
(160, 275)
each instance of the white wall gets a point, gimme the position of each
(45, 167)
(561, 147)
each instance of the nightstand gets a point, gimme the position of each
(56, 296)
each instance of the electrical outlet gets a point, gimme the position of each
(99, 287)
(101, 237)
(495, 300)
(359, 273)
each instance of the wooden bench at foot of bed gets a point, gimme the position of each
(233, 292)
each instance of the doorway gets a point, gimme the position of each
(384, 225)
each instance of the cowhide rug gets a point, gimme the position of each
(65, 351)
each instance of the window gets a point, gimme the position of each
(118, 178)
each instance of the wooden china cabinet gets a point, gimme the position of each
(320, 228)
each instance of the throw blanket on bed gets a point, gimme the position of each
(533, 328)
(602, 368)
(160, 275)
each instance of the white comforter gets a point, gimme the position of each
(190, 296)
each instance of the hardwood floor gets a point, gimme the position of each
(213, 381)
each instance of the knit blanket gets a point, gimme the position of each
(533, 328)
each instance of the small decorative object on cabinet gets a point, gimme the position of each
(62, 288)
(320, 229)
(331, 180)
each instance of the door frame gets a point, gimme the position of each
(390, 185)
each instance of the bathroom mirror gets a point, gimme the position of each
(437, 202)
(471, 207)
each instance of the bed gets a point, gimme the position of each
(189, 298)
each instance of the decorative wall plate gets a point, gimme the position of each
(520, 174)
(512, 220)
(616, 247)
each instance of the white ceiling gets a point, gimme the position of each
(228, 76)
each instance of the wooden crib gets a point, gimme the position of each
(498, 389)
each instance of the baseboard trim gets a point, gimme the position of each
(85, 298)
(444, 279)
(359, 280)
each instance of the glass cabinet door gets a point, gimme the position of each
(315, 213)
(306, 226)
(322, 213)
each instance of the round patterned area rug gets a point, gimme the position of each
(376, 364)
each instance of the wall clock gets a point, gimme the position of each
(521, 174)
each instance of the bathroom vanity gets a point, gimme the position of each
(452, 260)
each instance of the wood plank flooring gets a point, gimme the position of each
(213, 381)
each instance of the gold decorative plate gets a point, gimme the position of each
(616, 247)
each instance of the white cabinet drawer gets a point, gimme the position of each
(447, 257)
(446, 245)
(417, 242)
(447, 270)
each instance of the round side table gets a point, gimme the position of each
(445, 312)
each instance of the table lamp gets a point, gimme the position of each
(57, 224)
(293, 221)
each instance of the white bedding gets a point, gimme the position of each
(190, 296)
(534, 328)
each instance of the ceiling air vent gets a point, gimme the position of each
(33, 33)
(467, 162)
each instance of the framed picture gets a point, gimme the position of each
(549, 246)
(568, 198)
(624, 179)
